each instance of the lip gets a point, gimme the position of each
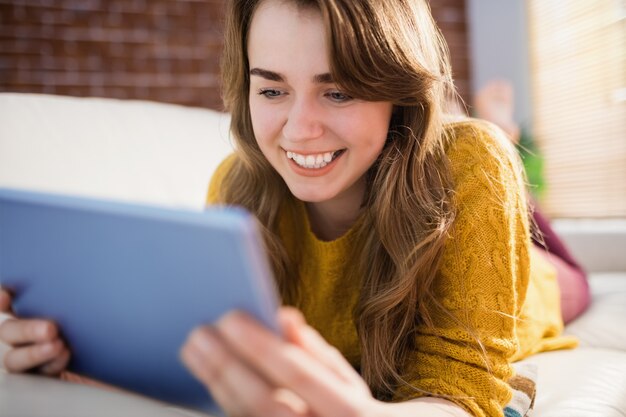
(309, 152)
(312, 172)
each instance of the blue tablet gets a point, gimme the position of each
(127, 283)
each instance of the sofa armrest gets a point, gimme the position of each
(599, 244)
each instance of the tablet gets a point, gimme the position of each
(127, 283)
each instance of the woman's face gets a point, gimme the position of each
(320, 140)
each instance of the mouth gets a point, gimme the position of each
(314, 161)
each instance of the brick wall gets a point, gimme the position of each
(161, 50)
(451, 18)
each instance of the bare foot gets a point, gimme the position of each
(495, 103)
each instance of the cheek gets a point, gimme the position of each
(379, 118)
(265, 123)
(368, 128)
(379, 124)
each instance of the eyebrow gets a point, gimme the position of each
(325, 78)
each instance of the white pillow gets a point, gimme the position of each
(135, 151)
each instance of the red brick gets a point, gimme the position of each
(147, 49)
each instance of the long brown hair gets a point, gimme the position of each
(380, 51)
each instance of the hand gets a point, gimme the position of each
(35, 344)
(252, 372)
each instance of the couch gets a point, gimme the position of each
(164, 154)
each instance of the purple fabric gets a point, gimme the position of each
(551, 241)
(572, 278)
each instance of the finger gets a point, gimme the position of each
(57, 365)
(287, 365)
(83, 380)
(19, 331)
(198, 356)
(26, 358)
(5, 301)
(297, 331)
(234, 385)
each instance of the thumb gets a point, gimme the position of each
(291, 322)
(5, 301)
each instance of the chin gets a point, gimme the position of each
(311, 196)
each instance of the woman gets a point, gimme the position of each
(402, 239)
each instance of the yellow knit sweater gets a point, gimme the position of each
(494, 286)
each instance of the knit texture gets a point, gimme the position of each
(501, 299)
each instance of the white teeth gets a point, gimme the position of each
(311, 161)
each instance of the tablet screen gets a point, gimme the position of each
(127, 283)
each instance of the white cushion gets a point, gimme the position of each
(583, 382)
(603, 324)
(126, 150)
(31, 395)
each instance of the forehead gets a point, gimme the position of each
(274, 15)
(284, 34)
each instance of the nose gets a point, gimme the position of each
(304, 121)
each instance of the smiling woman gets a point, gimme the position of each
(402, 238)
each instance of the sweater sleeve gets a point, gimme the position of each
(215, 185)
(480, 288)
